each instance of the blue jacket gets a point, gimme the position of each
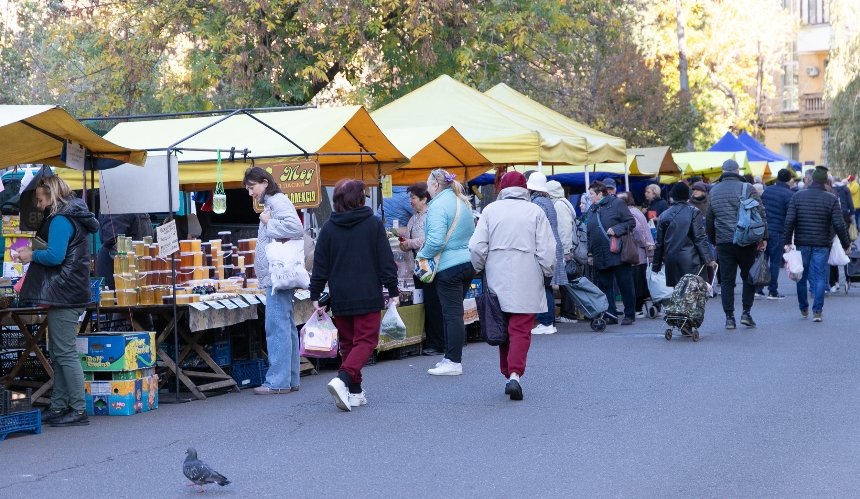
(440, 215)
(776, 199)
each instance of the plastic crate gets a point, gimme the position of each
(221, 352)
(29, 421)
(96, 289)
(249, 373)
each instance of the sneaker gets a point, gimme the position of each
(760, 295)
(541, 329)
(775, 296)
(338, 391)
(747, 320)
(627, 321)
(51, 415)
(357, 399)
(446, 368)
(816, 316)
(730, 322)
(804, 313)
(72, 418)
(641, 315)
(267, 390)
(834, 289)
(565, 320)
(513, 388)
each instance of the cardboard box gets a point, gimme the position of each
(117, 352)
(118, 375)
(122, 397)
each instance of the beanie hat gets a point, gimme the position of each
(730, 165)
(537, 182)
(700, 186)
(512, 179)
(680, 192)
(820, 175)
(784, 175)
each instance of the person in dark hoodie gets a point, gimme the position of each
(59, 279)
(721, 220)
(354, 257)
(776, 198)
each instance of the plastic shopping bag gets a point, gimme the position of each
(759, 272)
(318, 337)
(287, 265)
(392, 323)
(657, 287)
(838, 257)
(793, 264)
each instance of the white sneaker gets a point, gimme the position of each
(338, 391)
(357, 399)
(641, 315)
(565, 320)
(541, 329)
(446, 368)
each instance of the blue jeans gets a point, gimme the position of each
(774, 257)
(548, 318)
(451, 287)
(816, 271)
(282, 340)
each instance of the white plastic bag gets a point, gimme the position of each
(793, 264)
(318, 337)
(838, 257)
(392, 324)
(657, 285)
(287, 265)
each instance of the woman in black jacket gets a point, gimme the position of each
(354, 257)
(681, 234)
(609, 217)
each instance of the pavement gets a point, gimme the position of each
(765, 412)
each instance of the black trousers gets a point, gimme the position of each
(623, 276)
(434, 334)
(731, 257)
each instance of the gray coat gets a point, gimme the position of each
(723, 202)
(285, 224)
(513, 243)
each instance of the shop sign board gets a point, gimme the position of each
(299, 181)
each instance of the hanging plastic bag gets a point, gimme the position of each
(657, 287)
(837, 257)
(793, 264)
(392, 324)
(287, 265)
(318, 337)
(759, 272)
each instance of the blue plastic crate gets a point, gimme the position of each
(96, 289)
(221, 352)
(249, 373)
(28, 421)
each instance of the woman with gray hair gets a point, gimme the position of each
(537, 186)
(447, 231)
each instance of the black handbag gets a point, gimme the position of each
(759, 272)
(494, 324)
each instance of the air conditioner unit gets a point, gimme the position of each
(812, 71)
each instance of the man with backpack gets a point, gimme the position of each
(736, 224)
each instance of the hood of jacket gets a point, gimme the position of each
(76, 209)
(514, 193)
(555, 190)
(731, 176)
(352, 217)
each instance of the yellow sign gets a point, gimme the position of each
(299, 181)
(387, 188)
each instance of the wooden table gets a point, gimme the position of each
(216, 377)
(23, 318)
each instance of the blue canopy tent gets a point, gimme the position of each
(753, 145)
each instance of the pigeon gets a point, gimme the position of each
(199, 472)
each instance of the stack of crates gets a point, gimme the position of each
(17, 414)
(119, 373)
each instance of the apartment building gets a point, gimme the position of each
(797, 123)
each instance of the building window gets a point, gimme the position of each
(790, 79)
(812, 11)
(791, 150)
(790, 5)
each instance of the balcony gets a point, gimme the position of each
(813, 107)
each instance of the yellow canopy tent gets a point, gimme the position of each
(36, 134)
(632, 168)
(655, 161)
(707, 164)
(335, 137)
(502, 134)
(602, 147)
(761, 169)
(435, 147)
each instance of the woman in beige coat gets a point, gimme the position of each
(514, 244)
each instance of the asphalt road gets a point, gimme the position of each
(769, 412)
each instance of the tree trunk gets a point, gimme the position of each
(682, 61)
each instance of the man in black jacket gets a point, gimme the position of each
(720, 223)
(813, 218)
(776, 199)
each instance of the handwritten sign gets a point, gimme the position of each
(214, 304)
(168, 239)
(229, 304)
(199, 305)
(240, 302)
(251, 299)
(75, 155)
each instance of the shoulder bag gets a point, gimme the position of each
(494, 325)
(425, 268)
